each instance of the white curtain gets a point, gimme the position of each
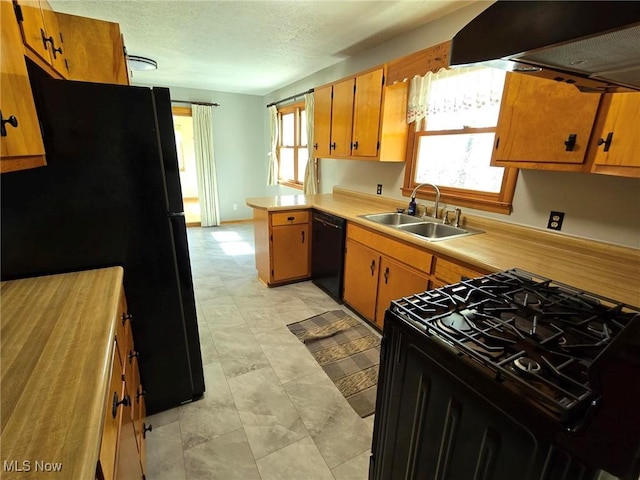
(272, 175)
(453, 95)
(311, 179)
(205, 165)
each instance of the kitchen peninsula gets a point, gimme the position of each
(605, 269)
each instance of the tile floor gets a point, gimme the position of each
(269, 412)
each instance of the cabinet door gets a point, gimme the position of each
(55, 44)
(342, 118)
(366, 114)
(322, 121)
(22, 145)
(622, 127)
(290, 252)
(128, 466)
(396, 281)
(33, 32)
(94, 50)
(111, 428)
(361, 268)
(537, 117)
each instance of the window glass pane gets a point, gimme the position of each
(303, 128)
(460, 160)
(466, 97)
(286, 163)
(303, 155)
(288, 132)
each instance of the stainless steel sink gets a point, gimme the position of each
(427, 230)
(392, 219)
(433, 231)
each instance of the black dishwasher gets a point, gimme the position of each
(327, 253)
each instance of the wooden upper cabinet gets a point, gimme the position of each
(361, 119)
(21, 141)
(366, 114)
(41, 34)
(616, 147)
(322, 121)
(543, 124)
(94, 50)
(342, 118)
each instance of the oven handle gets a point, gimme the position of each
(586, 419)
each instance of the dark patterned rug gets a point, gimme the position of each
(349, 353)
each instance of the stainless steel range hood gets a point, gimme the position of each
(597, 41)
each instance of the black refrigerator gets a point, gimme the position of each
(110, 195)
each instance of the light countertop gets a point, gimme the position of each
(57, 344)
(605, 269)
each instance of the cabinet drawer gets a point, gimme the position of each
(289, 218)
(450, 272)
(409, 254)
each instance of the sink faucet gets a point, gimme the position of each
(437, 201)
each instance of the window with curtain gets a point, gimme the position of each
(455, 113)
(292, 145)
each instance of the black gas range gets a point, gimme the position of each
(509, 375)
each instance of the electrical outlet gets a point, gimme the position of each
(555, 220)
(235, 206)
(379, 189)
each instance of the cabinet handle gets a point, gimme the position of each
(146, 429)
(12, 120)
(291, 219)
(133, 354)
(302, 236)
(386, 275)
(315, 146)
(332, 146)
(606, 143)
(125, 317)
(354, 145)
(126, 401)
(141, 393)
(50, 40)
(373, 266)
(570, 142)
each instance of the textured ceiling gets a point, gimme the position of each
(252, 47)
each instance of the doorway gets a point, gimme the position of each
(183, 126)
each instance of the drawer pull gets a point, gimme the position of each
(146, 429)
(133, 354)
(125, 317)
(126, 401)
(291, 219)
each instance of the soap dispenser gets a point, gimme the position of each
(412, 206)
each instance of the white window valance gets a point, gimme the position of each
(453, 98)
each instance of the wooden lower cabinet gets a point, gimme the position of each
(122, 453)
(372, 278)
(283, 245)
(361, 269)
(447, 272)
(396, 281)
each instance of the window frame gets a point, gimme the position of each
(296, 109)
(498, 202)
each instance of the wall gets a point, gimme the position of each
(598, 207)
